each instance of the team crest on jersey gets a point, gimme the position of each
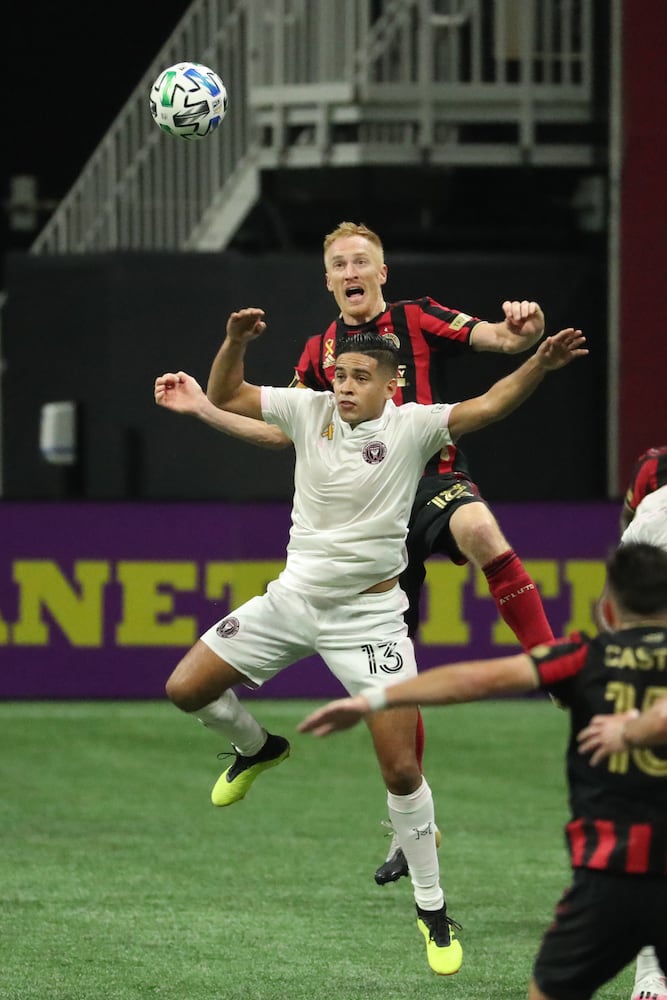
(374, 452)
(228, 628)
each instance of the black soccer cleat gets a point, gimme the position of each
(393, 868)
(396, 866)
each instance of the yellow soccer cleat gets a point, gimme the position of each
(443, 950)
(234, 783)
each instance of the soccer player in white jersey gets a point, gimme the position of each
(358, 461)
(649, 523)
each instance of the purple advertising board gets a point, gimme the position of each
(100, 600)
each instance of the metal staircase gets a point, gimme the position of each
(316, 83)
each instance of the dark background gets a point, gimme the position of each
(75, 65)
(138, 315)
(98, 329)
(72, 66)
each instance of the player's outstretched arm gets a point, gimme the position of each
(608, 734)
(336, 716)
(521, 328)
(181, 393)
(452, 684)
(243, 428)
(507, 394)
(247, 429)
(242, 326)
(229, 390)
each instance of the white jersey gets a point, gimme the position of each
(353, 488)
(649, 524)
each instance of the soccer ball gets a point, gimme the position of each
(188, 100)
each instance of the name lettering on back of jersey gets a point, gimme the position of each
(637, 658)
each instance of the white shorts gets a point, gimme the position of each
(362, 639)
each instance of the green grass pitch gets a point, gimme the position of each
(120, 881)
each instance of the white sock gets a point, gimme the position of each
(413, 819)
(227, 715)
(647, 966)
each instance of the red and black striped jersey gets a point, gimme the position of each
(619, 808)
(650, 473)
(427, 336)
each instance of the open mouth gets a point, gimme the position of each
(353, 292)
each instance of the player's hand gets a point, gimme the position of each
(337, 715)
(559, 350)
(246, 325)
(524, 318)
(604, 735)
(178, 391)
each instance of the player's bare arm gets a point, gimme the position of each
(608, 734)
(181, 393)
(507, 394)
(521, 328)
(242, 428)
(232, 392)
(226, 372)
(446, 685)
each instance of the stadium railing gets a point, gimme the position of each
(314, 83)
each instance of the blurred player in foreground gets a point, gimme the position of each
(643, 519)
(358, 461)
(617, 834)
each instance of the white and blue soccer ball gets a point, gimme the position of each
(188, 100)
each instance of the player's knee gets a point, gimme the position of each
(180, 693)
(477, 533)
(401, 777)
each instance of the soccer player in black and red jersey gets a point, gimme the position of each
(449, 516)
(643, 519)
(617, 834)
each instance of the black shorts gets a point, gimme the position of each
(436, 500)
(600, 924)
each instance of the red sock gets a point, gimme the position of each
(518, 599)
(419, 740)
